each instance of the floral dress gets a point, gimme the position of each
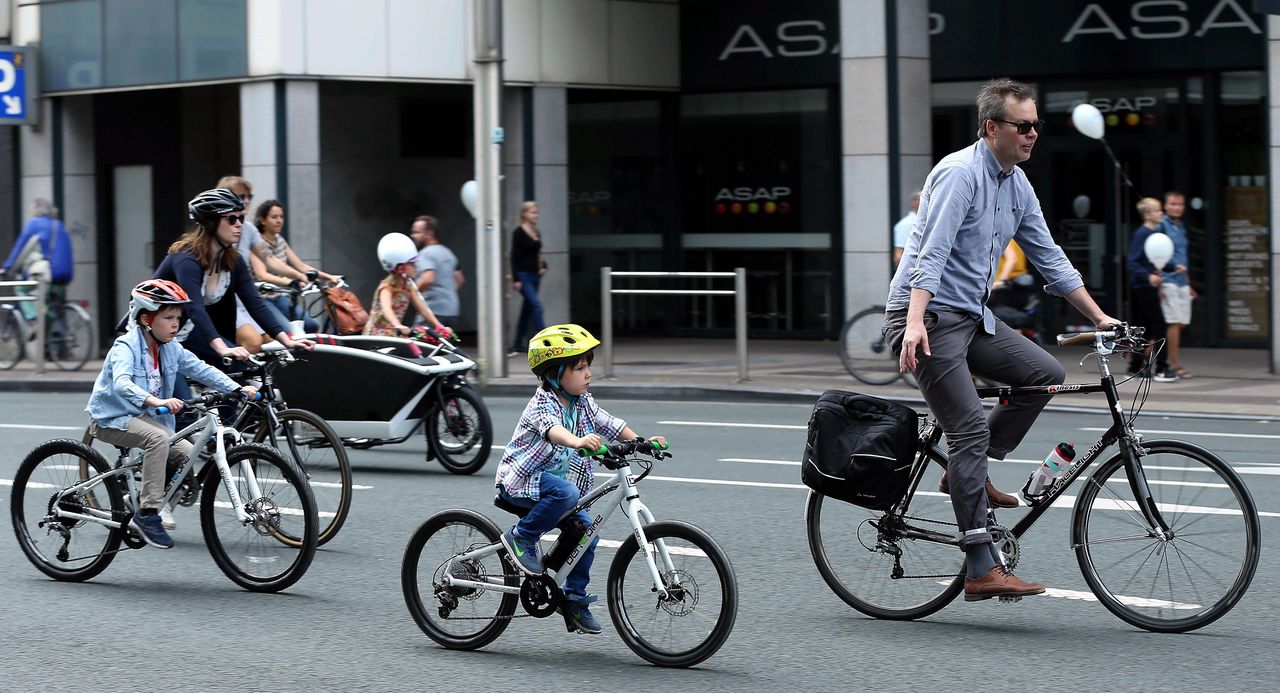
(378, 323)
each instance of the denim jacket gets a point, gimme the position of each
(120, 391)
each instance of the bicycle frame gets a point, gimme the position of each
(1120, 432)
(207, 426)
(625, 495)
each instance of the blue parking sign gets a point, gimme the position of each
(17, 80)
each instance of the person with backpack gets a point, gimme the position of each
(43, 238)
(395, 293)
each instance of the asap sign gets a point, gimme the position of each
(1157, 19)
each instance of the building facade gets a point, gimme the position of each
(655, 134)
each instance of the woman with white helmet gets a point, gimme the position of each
(398, 254)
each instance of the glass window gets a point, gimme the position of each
(1246, 262)
(141, 41)
(71, 45)
(212, 39)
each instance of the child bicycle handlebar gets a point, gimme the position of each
(212, 399)
(617, 450)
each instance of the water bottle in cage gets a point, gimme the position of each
(1058, 460)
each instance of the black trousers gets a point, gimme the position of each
(1147, 313)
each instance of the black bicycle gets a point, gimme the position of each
(1165, 532)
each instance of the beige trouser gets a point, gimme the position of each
(152, 436)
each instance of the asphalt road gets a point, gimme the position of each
(172, 620)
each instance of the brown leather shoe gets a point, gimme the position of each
(995, 496)
(999, 583)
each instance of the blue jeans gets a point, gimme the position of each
(530, 322)
(281, 304)
(556, 497)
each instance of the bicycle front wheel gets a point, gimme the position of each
(460, 431)
(854, 549)
(695, 619)
(309, 441)
(65, 548)
(12, 347)
(70, 342)
(1193, 576)
(457, 617)
(273, 546)
(864, 351)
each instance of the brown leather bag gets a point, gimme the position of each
(345, 310)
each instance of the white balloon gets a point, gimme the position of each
(1159, 249)
(470, 195)
(1080, 206)
(1088, 120)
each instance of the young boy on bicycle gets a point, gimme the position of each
(541, 469)
(139, 371)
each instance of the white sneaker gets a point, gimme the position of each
(166, 517)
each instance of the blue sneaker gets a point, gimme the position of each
(577, 617)
(152, 530)
(524, 552)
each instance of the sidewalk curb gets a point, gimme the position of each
(692, 393)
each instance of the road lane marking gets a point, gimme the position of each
(728, 424)
(613, 544)
(39, 427)
(283, 510)
(1211, 434)
(749, 460)
(1078, 595)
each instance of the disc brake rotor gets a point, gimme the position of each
(682, 593)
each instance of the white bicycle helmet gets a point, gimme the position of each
(394, 249)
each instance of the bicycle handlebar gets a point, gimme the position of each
(1121, 331)
(642, 445)
(212, 399)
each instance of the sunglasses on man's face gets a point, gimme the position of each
(1023, 126)
(235, 219)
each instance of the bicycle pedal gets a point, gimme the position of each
(1009, 598)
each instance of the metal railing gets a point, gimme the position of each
(37, 341)
(739, 292)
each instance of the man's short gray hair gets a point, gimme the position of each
(43, 207)
(992, 96)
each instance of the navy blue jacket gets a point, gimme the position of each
(1140, 268)
(216, 319)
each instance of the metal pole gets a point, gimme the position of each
(740, 318)
(606, 320)
(41, 288)
(488, 148)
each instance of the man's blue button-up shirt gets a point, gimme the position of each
(969, 210)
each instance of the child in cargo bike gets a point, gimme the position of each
(541, 469)
(394, 295)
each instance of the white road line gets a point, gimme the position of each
(612, 544)
(38, 427)
(726, 424)
(749, 460)
(1211, 434)
(1131, 601)
(283, 510)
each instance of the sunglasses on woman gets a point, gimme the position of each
(235, 219)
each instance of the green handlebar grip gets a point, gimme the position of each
(593, 453)
(659, 445)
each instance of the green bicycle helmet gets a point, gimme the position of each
(558, 345)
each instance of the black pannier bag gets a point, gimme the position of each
(859, 449)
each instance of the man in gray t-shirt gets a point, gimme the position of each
(438, 275)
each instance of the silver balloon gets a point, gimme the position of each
(1088, 120)
(470, 196)
(1080, 206)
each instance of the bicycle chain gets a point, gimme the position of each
(931, 577)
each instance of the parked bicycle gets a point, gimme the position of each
(69, 338)
(71, 511)
(865, 353)
(672, 593)
(1165, 532)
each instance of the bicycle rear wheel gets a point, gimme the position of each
(65, 548)
(853, 549)
(70, 342)
(459, 618)
(12, 346)
(274, 548)
(1184, 582)
(863, 350)
(309, 441)
(696, 619)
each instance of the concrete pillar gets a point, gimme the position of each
(261, 161)
(79, 198)
(1273, 92)
(865, 74)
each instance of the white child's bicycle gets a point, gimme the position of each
(672, 594)
(71, 510)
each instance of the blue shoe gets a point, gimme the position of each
(152, 530)
(524, 552)
(577, 617)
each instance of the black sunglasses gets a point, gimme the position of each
(235, 219)
(1023, 126)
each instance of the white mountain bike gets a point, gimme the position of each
(71, 510)
(672, 594)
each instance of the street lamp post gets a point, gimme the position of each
(488, 212)
(1087, 119)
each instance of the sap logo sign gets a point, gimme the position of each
(1159, 19)
(799, 39)
(750, 194)
(1137, 103)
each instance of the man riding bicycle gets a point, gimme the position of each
(974, 202)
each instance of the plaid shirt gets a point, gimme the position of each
(530, 453)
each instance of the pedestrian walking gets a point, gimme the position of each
(1176, 292)
(1145, 280)
(527, 268)
(438, 275)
